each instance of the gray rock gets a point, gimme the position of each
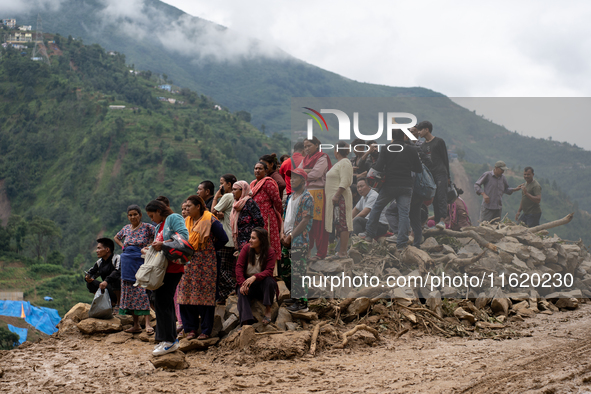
(197, 344)
(283, 317)
(567, 303)
(449, 292)
(229, 324)
(434, 303)
(471, 248)
(461, 314)
(291, 326)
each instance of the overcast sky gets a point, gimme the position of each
(461, 48)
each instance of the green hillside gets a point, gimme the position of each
(246, 74)
(67, 156)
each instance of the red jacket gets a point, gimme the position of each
(242, 263)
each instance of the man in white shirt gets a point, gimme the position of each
(363, 208)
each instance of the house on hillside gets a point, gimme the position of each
(116, 106)
(25, 28)
(10, 23)
(20, 37)
(166, 87)
(171, 100)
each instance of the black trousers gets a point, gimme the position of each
(440, 199)
(260, 289)
(94, 286)
(415, 220)
(190, 315)
(164, 308)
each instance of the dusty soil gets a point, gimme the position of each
(555, 359)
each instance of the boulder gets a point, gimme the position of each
(551, 256)
(174, 360)
(520, 265)
(291, 326)
(95, 326)
(144, 337)
(67, 327)
(461, 314)
(567, 303)
(199, 344)
(78, 312)
(247, 335)
(449, 292)
(283, 317)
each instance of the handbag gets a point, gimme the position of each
(425, 186)
(151, 274)
(101, 305)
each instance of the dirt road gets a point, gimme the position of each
(555, 359)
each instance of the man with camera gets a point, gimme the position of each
(108, 268)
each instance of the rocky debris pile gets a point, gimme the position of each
(350, 316)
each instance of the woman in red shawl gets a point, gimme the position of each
(316, 164)
(265, 193)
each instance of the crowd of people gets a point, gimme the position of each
(248, 235)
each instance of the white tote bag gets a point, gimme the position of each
(151, 274)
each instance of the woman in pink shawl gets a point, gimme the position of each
(265, 193)
(245, 215)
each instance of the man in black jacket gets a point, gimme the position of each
(397, 166)
(108, 268)
(439, 167)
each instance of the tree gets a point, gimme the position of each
(243, 115)
(55, 258)
(43, 231)
(17, 228)
(8, 339)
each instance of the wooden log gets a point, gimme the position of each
(418, 257)
(353, 331)
(462, 234)
(315, 338)
(553, 224)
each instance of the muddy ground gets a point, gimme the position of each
(556, 358)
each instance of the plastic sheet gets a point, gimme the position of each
(43, 319)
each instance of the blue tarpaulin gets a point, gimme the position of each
(43, 319)
(21, 332)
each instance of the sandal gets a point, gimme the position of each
(133, 330)
(266, 320)
(150, 330)
(203, 336)
(190, 335)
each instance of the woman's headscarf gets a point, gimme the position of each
(237, 207)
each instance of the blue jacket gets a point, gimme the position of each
(173, 224)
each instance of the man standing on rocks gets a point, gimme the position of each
(435, 148)
(398, 167)
(491, 186)
(108, 268)
(295, 238)
(531, 196)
